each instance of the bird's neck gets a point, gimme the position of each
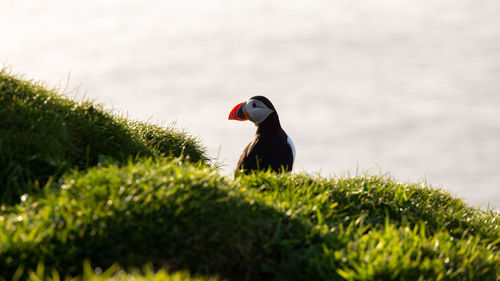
(270, 125)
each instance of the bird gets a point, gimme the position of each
(271, 147)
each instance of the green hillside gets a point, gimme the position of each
(44, 135)
(91, 196)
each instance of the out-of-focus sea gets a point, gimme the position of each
(409, 88)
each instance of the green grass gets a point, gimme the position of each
(163, 214)
(114, 273)
(43, 135)
(263, 226)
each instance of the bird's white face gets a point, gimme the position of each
(256, 111)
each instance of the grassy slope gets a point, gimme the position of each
(164, 211)
(43, 135)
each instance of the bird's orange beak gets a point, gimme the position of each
(238, 113)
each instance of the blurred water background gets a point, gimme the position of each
(409, 88)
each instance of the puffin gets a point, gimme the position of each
(271, 147)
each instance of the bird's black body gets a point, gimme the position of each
(270, 148)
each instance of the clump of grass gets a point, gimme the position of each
(114, 273)
(339, 199)
(43, 135)
(258, 227)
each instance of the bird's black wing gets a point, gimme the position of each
(248, 160)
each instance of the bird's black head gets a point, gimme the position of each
(265, 100)
(260, 111)
(257, 109)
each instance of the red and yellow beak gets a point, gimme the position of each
(239, 113)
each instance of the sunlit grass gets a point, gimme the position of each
(168, 213)
(43, 135)
(113, 273)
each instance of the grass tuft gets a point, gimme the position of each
(113, 273)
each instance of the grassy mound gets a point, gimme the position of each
(259, 227)
(43, 135)
(142, 209)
